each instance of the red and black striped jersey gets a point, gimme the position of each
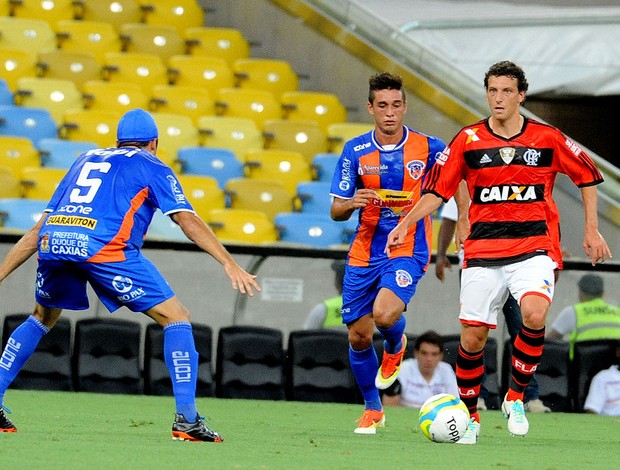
(510, 181)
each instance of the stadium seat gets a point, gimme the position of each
(267, 196)
(340, 132)
(115, 12)
(106, 356)
(242, 226)
(15, 64)
(94, 37)
(163, 228)
(317, 367)
(305, 137)
(589, 357)
(156, 373)
(314, 197)
(250, 363)
(325, 108)
(312, 230)
(78, 67)
(219, 163)
(175, 131)
(210, 73)
(552, 375)
(274, 75)
(57, 95)
(191, 101)
(114, 96)
(161, 40)
(181, 14)
(49, 367)
(59, 153)
(10, 186)
(203, 193)
(50, 11)
(24, 121)
(146, 70)
(6, 95)
(17, 153)
(98, 126)
(324, 165)
(40, 182)
(237, 134)
(27, 34)
(257, 105)
(227, 43)
(291, 168)
(18, 214)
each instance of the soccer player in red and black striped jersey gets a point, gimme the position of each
(509, 164)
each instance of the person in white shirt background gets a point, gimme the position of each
(604, 393)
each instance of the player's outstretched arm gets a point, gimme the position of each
(22, 250)
(428, 204)
(201, 234)
(594, 244)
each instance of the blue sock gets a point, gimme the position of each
(18, 349)
(365, 365)
(182, 360)
(393, 335)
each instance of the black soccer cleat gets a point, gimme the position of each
(5, 423)
(184, 431)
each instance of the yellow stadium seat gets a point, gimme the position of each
(115, 12)
(98, 126)
(161, 40)
(95, 37)
(17, 153)
(227, 43)
(57, 95)
(115, 96)
(237, 134)
(257, 105)
(41, 182)
(276, 76)
(78, 67)
(190, 101)
(29, 35)
(181, 14)
(303, 136)
(203, 193)
(325, 108)
(175, 131)
(268, 196)
(10, 187)
(242, 226)
(146, 70)
(15, 64)
(210, 73)
(5, 9)
(339, 133)
(50, 11)
(290, 168)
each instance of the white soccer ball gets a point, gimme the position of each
(443, 418)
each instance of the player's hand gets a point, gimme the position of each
(363, 197)
(395, 238)
(595, 246)
(442, 262)
(242, 281)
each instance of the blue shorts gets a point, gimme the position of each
(362, 284)
(134, 283)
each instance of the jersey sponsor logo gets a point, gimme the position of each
(9, 354)
(39, 287)
(509, 193)
(546, 286)
(442, 157)
(345, 175)
(403, 278)
(373, 169)
(182, 366)
(64, 243)
(525, 368)
(471, 135)
(393, 199)
(416, 169)
(176, 190)
(573, 147)
(72, 221)
(359, 147)
(124, 286)
(485, 159)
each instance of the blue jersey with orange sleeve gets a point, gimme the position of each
(102, 208)
(396, 175)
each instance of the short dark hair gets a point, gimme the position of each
(385, 81)
(505, 68)
(431, 337)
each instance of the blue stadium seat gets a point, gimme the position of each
(314, 197)
(163, 228)
(17, 214)
(59, 153)
(6, 95)
(23, 121)
(325, 165)
(220, 163)
(314, 230)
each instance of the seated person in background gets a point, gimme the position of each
(592, 318)
(327, 314)
(424, 376)
(604, 394)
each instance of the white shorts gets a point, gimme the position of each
(485, 290)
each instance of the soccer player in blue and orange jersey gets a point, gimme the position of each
(380, 173)
(509, 164)
(91, 232)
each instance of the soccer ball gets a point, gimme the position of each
(444, 418)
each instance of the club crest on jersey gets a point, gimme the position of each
(507, 154)
(416, 169)
(403, 278)
(531, 157)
